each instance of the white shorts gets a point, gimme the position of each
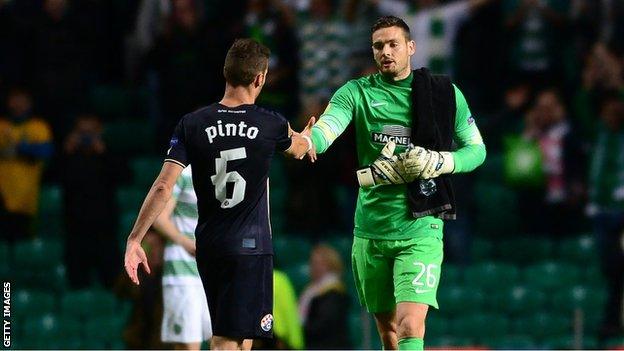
(185, 317)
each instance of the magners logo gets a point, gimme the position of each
(399, 134)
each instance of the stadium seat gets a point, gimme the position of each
(104, 328)
(482, 250)
(291, 250)
(542, 324)
(568, 342)
(87, 304)
(145, 170)
(579, 250)
(616, 343)
(130, 137)
(491, 275)
(437, 325)
(582, 299)
(37, 253)
(111, 102)
(299, 275)
(551, 275)
(526, 250)
(129, 199)
(517, 300)
(50, 216)
(5, 256)
(496, 209)
(451, 275)
(456, 299)
(27, 303)
(480, 325)
(43, 328)
(512, 342)
(448, 342)
(48, 278)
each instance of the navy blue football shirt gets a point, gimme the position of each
(230, 150)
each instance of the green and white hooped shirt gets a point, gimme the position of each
(180, 268)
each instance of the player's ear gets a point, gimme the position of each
(411, 47)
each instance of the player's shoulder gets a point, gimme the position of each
(364, 81)
(204, 111)
(269, 115)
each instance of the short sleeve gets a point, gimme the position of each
(283, 140)
(177, 148)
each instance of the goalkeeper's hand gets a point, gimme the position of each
(424, 164)
(387, 169)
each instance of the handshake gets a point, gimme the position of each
(415, 163)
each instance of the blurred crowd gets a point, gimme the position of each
(543, 78)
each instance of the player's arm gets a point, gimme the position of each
(165, 226)
(154, 203)
(470, 153)
(335, 119)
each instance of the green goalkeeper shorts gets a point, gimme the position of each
(387, 272)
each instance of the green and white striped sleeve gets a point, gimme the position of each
(335, 119)
(471, 149)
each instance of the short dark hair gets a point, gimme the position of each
(244, 60)
(391, 21)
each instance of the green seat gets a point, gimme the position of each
(27, 303)
(491, 275)
(48, 278)
(5, 256)
(615, 343)
(480, 325)
(130, 137)
(517, 300)
(38, 253)
(71, 328)
(454, 300)
(448, 342)
(88, 304)
(290, 250)
(299, 275)
(542, 325)
(496, 206)
(525, 250)
(145, 170)
(50, 216)
(42, 328)
(104, 328)
(551, 276)
(437, 325)
(580, 297)
(567, 342)
(482, 250)
(579, 250)
(451, 275)
(129, 199)
(512, 342)
(112, 102)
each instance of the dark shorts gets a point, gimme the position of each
(239, 290)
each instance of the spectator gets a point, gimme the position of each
(25, 143)
(509, 119)
(271, 23)
(325, 36)
(607, 206)
(434, 27)
(562, 163)
(535, 28)
(186, 60)
(90, 177)
(324, 304)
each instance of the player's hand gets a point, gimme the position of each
(188, 244)
(307, 131)
(135, 255)
(425, 164)
(387, 169)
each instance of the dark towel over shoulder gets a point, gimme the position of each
(433, 125)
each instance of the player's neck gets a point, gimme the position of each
(403, 74)
(236, 96)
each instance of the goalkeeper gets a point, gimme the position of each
(397, 248)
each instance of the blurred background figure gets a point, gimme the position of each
(25, 144)
(607, 206)
(90, 177)
(324, 304)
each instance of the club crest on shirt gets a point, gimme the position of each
(267, 322)
(399, 134)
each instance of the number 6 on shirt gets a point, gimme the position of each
(222, 177)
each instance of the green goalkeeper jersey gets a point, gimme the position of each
(382, 111)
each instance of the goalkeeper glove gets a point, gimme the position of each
(424, 164)
(387, 169)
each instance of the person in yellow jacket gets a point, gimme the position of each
(287, 328)
(25, 143)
